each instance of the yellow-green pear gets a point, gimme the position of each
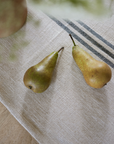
(38, 77)
(96, 73)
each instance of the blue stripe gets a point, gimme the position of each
(96, 34)
(90, 39)
(83, 42)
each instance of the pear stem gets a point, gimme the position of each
(60, 49)
(72, 39)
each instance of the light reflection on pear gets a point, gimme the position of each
(96, 73)
(38, 77)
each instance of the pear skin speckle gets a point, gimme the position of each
(38, 77)
(96, 73)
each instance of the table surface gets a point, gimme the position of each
(11, 132)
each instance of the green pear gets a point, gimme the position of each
(96, 73)
(38, 77)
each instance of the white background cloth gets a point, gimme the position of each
(69, 111)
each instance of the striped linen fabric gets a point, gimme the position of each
(69, 111)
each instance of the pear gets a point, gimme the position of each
(38, 77)
(96, 73)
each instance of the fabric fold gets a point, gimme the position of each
(69, 111)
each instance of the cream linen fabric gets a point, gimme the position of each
(69, 111)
